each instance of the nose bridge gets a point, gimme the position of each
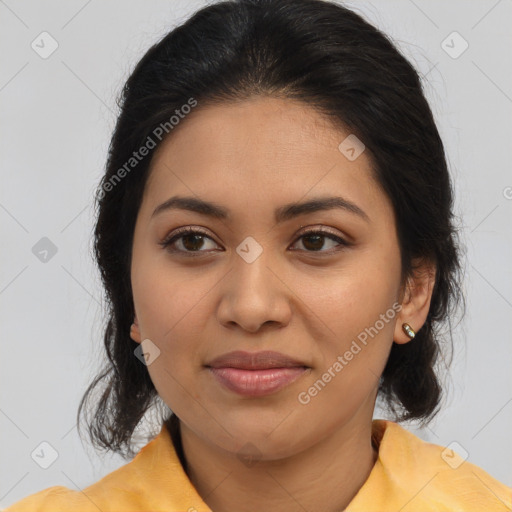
(250, 265)
(252, 295)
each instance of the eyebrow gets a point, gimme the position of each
(284, 213)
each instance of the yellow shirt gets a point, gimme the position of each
(409, 475)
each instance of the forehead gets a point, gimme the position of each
(259, 151)
(263, 127)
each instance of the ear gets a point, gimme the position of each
(415, 299)
(135, 331)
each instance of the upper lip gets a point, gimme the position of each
(254, 360)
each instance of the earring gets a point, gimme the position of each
(408, 330)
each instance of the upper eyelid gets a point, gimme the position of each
(186, 230)
(177, 234)
(323, 229)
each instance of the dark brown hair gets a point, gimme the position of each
(329, 57)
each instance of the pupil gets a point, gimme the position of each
(193, 246)
(317, 244)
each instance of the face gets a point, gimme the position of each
(320, 286)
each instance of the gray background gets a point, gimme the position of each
(57, 116)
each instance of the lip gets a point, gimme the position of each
(256, 373)
(254, 360)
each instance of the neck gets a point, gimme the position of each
(324, 477)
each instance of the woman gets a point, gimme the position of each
(276, 240)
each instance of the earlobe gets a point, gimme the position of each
(135, 331)
(416, 303)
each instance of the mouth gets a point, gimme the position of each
(256, 374)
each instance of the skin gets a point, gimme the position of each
(252, 157)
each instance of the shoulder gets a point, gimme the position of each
(153, 480)
(430, 475)
(117, 489)
(54, 498)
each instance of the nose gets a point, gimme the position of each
(254, 295)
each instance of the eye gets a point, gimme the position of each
(314, 239)
(192, 241)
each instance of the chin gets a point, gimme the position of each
(263, 436)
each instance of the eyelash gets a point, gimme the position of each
(168, 241)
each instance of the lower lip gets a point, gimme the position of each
(257, 382)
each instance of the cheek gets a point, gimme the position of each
(172, 326)
(357, 310)
(167, 296)
(171, 309)
(351, 300)
(172, 315)
(360, 321)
